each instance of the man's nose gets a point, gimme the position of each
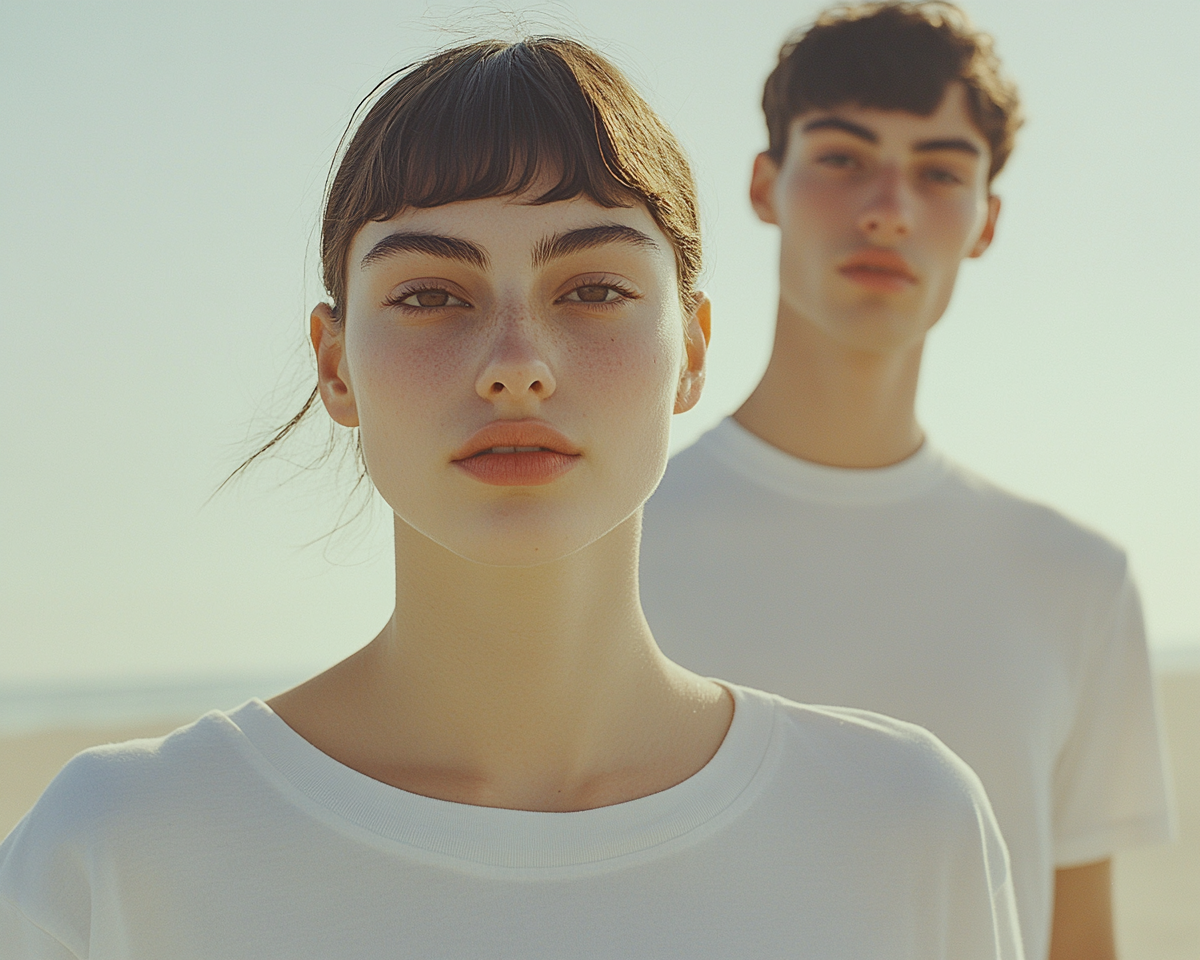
(887, 217)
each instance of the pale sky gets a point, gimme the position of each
(162, 168)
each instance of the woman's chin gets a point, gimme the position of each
(524, 531)
(519, 549)
(515, 538)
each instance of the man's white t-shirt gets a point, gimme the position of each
(812, 832)
(923, 592)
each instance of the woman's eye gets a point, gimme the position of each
(594, 293)
(429, 298)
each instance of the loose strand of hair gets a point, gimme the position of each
(279, 435)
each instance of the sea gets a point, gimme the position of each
(30, 707)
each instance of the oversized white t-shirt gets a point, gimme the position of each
(923, 592)
(813, 833)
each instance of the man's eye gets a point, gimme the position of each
(593, 293)
(839, 161)
(942, 177)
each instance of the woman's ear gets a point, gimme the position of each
(329, 344)
(697, 333)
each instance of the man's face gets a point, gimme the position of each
(876, 210)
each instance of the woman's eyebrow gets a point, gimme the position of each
(433, 244)
(564, 244)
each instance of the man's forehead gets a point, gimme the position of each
(951, 119)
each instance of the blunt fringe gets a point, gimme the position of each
(892, 56)
(492, 119)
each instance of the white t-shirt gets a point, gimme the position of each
(811, 833)
(923, 592)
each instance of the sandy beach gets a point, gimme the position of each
(1157, 888)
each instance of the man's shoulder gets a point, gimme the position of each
(698, 469)
(705, 480)
(1027, 525)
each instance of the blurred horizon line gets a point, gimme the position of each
(31, 706)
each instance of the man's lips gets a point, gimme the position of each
(878, 269)
(512, 453)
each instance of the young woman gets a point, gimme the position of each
(511, 768)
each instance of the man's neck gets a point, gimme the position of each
(828, 403)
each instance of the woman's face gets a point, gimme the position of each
(512, 368)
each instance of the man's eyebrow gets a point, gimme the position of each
(954, 143)
(837, 123)
(564, 244)
(924, 146)
(432, 244)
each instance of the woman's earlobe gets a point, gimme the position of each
(327, 334)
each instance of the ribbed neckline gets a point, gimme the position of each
(756, 460)
(519, 838)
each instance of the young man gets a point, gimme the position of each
(816, 545)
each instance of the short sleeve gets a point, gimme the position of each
(22, 939)
(1110, 783)
(1005, 927)
(45, 893)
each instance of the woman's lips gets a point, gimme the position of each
(517, 453)
(524, 468)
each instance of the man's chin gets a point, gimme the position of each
(883, 330)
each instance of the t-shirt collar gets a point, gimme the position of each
(752, 457)
(501, 838)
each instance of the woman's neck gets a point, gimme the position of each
(529, 687)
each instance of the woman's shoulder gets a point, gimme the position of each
(115, 787)
(107, 798)
(872, 758)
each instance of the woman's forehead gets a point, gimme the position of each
(500, 224)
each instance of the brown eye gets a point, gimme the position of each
(606, 294)
(431, 298)
(593, 293)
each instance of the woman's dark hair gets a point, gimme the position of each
(492, 119)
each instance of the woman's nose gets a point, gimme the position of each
(516, 371)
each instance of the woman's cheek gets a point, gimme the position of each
(401, 391)
(651, 376)
(634, 368)
(407, 365)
